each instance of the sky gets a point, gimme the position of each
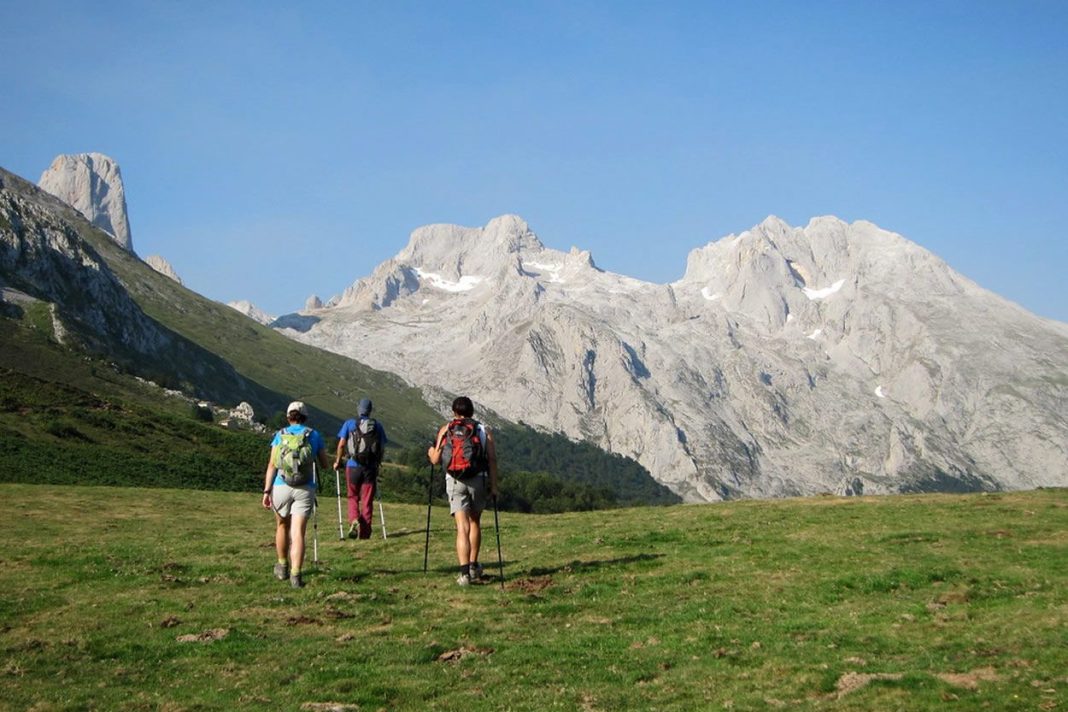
(274, 150)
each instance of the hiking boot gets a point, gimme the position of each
(354, 531)
(281, 571)
(476, 572)
(463, 580)
(296, 581)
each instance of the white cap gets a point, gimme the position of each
(299, 407)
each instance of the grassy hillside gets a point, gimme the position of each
(99, 411)
(72, 419)
(166, 602)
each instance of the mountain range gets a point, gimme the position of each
(833, 357)
(111, 371)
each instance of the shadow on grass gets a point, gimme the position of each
(596, 564)
(403, 532)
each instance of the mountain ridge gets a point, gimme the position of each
(831, 357)
(82, 315)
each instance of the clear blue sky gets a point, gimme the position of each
(273, 150)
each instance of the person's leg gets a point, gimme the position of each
(297, 527)
(474, 536)
(367, 511)
(281, 536)
(477, 488)
(460, 508)
(474, 543)
(303, 509)
(353, 487)
(281, 546)
(463, 538)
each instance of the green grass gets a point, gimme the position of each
(915, 602)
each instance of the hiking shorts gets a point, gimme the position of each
(466, 494)
(288, 501)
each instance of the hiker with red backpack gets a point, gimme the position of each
(289, 486)
(363, 439)
(468, 455)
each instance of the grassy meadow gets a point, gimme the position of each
(134, 599)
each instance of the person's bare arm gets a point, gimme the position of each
(433, 453)
(268, 478)
(339, 454)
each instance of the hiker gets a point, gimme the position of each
(364, 440)
(470, 463)
(289, 489)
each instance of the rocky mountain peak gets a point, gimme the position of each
(833, 357)
(449, 261)
(91, 183)
(452, 251)
(252, 311)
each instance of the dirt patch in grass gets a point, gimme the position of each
(452, 656)
(853, 681)
(208, 636)
(969, 680)
(302, 620)
(530, 584)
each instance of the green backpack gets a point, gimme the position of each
(295, 457)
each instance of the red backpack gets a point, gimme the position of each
(463, 453)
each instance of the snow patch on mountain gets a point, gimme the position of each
(815, 294)
(466, 283)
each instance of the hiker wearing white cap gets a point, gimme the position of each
(289, 489)
(363, 439)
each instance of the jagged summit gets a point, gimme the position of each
(833, 357)
(91, 183)
(452, 251)
(442, 260)
(773, 270)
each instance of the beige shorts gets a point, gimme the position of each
(467, 494)
(292, 501)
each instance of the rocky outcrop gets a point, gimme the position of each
(91, 183)
(163, 267)
(46, 257)
(54, 263)
(251, 311)
(786, 361)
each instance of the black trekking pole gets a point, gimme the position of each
(497, 528)
(429, 500)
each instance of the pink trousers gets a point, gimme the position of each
(361, 484)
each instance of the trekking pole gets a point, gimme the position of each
(497, 528)
(315, 517)
(340, 526)
(429, 499)
(381, 513)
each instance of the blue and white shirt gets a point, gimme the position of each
(316, 441)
